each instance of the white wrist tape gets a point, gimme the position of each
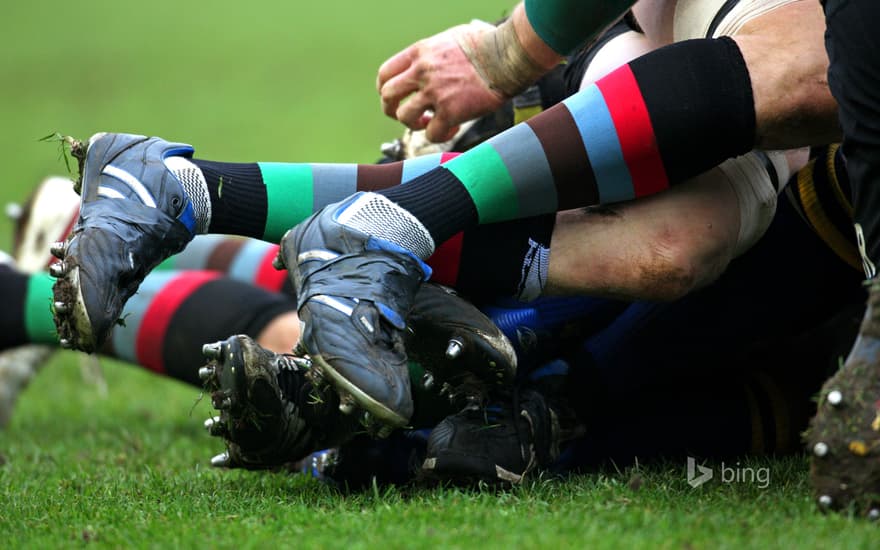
(499, 58)
(757, 178)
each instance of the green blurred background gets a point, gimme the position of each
(263, 80)
(125, 465)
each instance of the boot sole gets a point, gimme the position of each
(74, 326)
(379, 412)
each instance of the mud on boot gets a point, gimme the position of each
(844, 436)
(461, 350)
(273, 411)
(140, 200)
(354, 292)
(499, 443)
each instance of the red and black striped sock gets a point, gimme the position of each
(175, 312)
(508, 247)
(245, 260)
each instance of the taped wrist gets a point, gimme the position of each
(500, 59)
(756, 178)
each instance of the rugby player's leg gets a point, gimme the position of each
(844, 434)
(726, 367)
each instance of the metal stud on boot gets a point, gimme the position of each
(844, 435)
(270, 413)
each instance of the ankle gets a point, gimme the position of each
(192, 180)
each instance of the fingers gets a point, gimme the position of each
(440, 129)
(412, 112)
(435, 75)
(395, 65)
(397, 89)
(426, 118)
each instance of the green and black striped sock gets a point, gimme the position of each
(265, 199)
(26, 314)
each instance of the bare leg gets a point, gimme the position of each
(281, 334)
(658, 248)
(784, 51)
(664, 246)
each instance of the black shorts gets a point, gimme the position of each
(853, 44)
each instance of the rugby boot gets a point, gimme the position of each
(456, 344)
(135, 212)
(365, 462)
(844, 436)
(514, 433)
(498, 443)
(273, 410)
(354, 292)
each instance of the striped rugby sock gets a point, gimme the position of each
(822, 195)
(460, 262)
(166, 322)
(664, 117)
(510, 248)
(245, 260)
(26, 314)
(175, 312)
(265, 199)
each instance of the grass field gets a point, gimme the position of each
(128, 467)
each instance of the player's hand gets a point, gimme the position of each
(432, 85)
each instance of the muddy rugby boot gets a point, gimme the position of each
(844, 436)
(498, 443)
(354, 292)
(456, 344)
(274, 411)
(269, 402)
(513, 433)
(139, 196)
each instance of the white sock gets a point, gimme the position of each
(536, 264)
(378, 216)
(193, 182)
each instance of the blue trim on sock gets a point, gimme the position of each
(188, 218)
(185, 151)
(375, 243)
(343, 206)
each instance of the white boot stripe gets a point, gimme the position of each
(133, 183)
(334, 303)
(109, 192)
(309, 255)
